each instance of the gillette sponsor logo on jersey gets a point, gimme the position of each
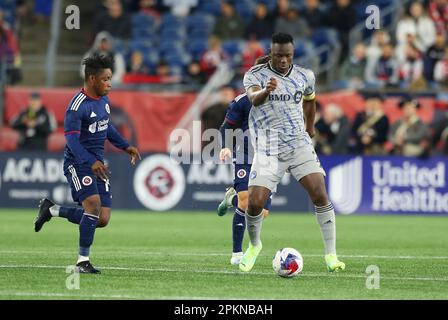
(387, 184)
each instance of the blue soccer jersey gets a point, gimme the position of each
(238, 116)
(87, 126)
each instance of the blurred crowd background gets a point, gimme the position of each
(399, 70)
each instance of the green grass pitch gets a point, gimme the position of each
(176, 255)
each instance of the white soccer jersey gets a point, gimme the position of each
(277, 126)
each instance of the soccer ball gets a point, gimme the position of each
(287, 262)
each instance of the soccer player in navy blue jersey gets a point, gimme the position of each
(87, 126)
(237, 117)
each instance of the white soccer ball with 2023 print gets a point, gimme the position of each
(287, 262)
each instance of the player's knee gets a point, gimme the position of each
(254, 209)
(102, 222)
(319, 196)
(92, 206)
(243, 201)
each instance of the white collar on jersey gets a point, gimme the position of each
(282, 75)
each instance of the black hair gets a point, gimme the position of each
(95, 63)
(282, 38)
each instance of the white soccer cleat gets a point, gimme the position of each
(236, 258)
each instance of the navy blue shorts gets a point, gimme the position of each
(85, 184)
(241, 181)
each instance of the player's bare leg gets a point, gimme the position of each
(87, 226)
(104, 218)
(314, 184)
(258, 196)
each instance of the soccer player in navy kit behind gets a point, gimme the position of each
(87, 126)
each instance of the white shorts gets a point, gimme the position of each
(267, 171)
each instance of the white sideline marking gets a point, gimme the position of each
(200, 254)
(109, 296)
(236, 272)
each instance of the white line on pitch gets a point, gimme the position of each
(126, 253)
(236, 272)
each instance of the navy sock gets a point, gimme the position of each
(238, 229)
(235, 202)
(87, 228)
(72, 214)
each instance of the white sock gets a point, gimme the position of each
(254, 228)
(81, 259)
(327, 222)
(54, 210)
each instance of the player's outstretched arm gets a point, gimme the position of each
(257, 95)
(133, 152)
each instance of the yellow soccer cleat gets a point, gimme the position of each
(249, 257)
(333, 264)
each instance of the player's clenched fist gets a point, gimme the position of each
(225, 154)
(271, 85)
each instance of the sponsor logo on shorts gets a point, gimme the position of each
(87, 181)
(241, 173)
(253, 174)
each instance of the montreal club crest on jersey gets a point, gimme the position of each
(107, 108)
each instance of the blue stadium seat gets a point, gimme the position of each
(245, 9)
(210, 7)
(233, 47)
(196, 48)
(172, 34)
(201, 34)
(143, 21)
(200, 21)
(171, 21)
(166, 46)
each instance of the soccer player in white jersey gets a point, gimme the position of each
(281, 124)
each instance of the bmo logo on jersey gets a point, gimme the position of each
(284, 97)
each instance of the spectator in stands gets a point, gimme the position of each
(409, 136)
(332, 131)
(417, 24)
(194, 75)
(411, 69)
(149, 8)
(252, 51)
(342, 17)
(281, 9)
(313, 14)
(164, 73)
(370, 128)
(103, 45)
(384, 71)
(441, 70)
(137, 64)
(9, 52)
(212, 57)
(229, 25)
(34, 125)
(375, 47)
(261, 27)
(434, 54)
(115, 21)
(292, 24)
(353, 70)
(180, 8)
(438, 11)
